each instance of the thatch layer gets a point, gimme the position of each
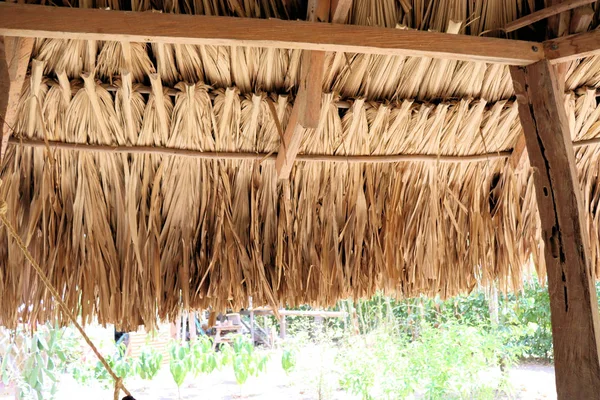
(132, 238)
(123, 237)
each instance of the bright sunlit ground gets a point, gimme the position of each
(313, 378)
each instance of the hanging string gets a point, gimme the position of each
(11, 230)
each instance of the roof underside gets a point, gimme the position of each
(127, 236)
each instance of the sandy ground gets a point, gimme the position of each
(529, 382)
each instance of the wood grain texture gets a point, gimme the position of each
(290, 145)
(311, 85)
(581, 19)
(312, 70)
(89, 24)
(518, 157)
(572, 47)
(545, 13)
(340, 10)
(14, 60)
(573, 303)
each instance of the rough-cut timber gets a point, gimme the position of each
(88, 24)
(575, 322)
(14, 59)
(307, 108)
(545, 13)
(572, 47)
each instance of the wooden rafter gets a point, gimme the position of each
(518, 158)
(92, 24)
(270, 157)
(573, 303)
(307, 107)
(545, 13)
(14, 60)
(572, 47)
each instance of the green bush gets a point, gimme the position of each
(446, 361)
(149, 363)
(33, 361)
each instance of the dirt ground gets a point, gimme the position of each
(314, 373)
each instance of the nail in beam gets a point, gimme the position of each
(573, 303)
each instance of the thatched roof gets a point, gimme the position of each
(129, 237)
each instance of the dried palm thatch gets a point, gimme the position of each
(129, 239)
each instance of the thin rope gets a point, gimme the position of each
(118, 381)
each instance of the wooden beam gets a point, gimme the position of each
(89, 24)
(312, 69)
(572, 47)
(545, 13)
(269, 157)
(581, 19)
(519, 154)
(260, 157)
(14, 59)
(573, 303)
(307, 107)
(340, 10)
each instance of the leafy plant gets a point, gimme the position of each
(203, 356)
(123, 366)
(149, 363)
(32, 361)
(180, 364)
(246, 361)
(288, 360)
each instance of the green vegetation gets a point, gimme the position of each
(426, 348)
(33, 361)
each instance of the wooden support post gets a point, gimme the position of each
(251, 319)
(15, 53)
(192, 325)
(307, 107)
(574, 307)
(282, 327)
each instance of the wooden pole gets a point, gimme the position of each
(282, 327)
(547, 12)
(192, 325)
(251, 318)
(573, 303)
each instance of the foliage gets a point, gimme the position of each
(444, 362)
(179, 365)
(123, 366)
(247, 362)
(203, 357)
(32, 361)
(288, 360)
(149, 363)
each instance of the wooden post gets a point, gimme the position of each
(15, 53)
(192, 325)
(183, 328)
(282, 327)
(573, 303)
(251, 319)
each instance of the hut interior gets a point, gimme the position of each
(147, 171)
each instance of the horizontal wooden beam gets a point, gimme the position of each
(271, 157)
(572, 47)
(545, 13)
(91, 24)
(249, 156)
